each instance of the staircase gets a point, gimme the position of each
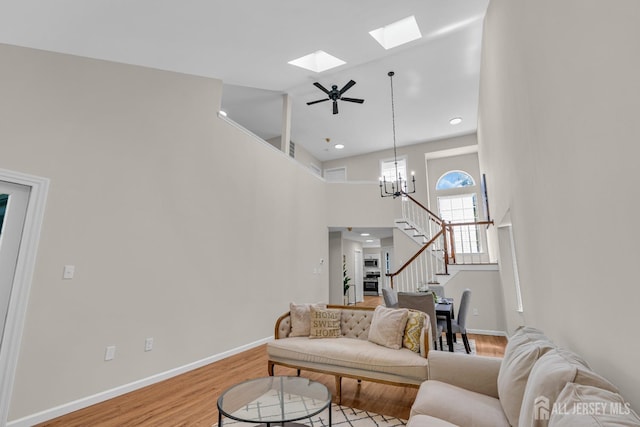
(437, 241)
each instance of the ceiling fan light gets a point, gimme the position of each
(317, 61)
(397, 33)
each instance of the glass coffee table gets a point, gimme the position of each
(274, 400)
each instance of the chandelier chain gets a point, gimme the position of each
(393, 125)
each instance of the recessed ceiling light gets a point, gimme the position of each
(397, 33)
(222, 113)
(455, 121)
(318, 61)
(369, 241)
(365, 234)
(338, 146)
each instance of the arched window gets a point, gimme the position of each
(454, 179)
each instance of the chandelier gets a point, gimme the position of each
(398, 187)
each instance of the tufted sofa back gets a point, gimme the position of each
(354, 322)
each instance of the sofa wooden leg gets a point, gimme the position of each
(338, 389)
(270, 368)
(298, 372)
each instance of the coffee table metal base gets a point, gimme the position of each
(275, 401)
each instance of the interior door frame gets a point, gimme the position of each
(25, 265)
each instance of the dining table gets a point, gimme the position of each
(444, 309)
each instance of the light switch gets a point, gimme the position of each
(68, 271)
(110, 352)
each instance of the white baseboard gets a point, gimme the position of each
(487, 332)
(126, 388)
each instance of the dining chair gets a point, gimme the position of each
(459, 325)
(390, 297)
(423, 301)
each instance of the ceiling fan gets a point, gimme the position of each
(334, 95)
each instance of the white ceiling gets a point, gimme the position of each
(248, 43)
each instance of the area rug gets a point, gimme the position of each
(342, 416)
(458, 346)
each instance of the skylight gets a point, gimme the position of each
(318, 61)
(397, 33)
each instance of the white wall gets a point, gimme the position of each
(558, 136)
(366, 167)
(486, 299)
(168, 213)
(359, 205)
(349, 248)
(336, 283)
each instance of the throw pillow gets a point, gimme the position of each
(301, 318)
(387, 326)
(413, 330)
(325, 323)
(548, 377)
(525, 347)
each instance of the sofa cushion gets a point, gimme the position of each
(420, 420)
(301, 318)
(413, 330)
(350, 353)
(523, 349)
(549, 376)
(458, 406)
(325, 323)
(387, 326)
(590, 406)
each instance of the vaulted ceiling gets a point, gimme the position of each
(249, 43)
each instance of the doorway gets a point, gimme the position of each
(22, 206)
(13, 210)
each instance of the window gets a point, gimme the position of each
(458, 209)
(454, 179)
(336, 174)
(388, 169)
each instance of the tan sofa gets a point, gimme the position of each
(535, 384)
(351, 355)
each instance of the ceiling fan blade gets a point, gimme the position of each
(335, 107)
(358, 100)
(322, 88)
(319, 100)
(347, 87)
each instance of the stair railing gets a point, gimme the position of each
(467, 240)
(432, 257)
(420, 269)
(444, 243)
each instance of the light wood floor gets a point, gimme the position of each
(190, 399)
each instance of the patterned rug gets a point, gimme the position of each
(458, 346)
(342, 416)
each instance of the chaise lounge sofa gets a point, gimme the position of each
(355, 350)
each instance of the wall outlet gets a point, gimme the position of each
(475, 311)
(110, 352)
(148, 344)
